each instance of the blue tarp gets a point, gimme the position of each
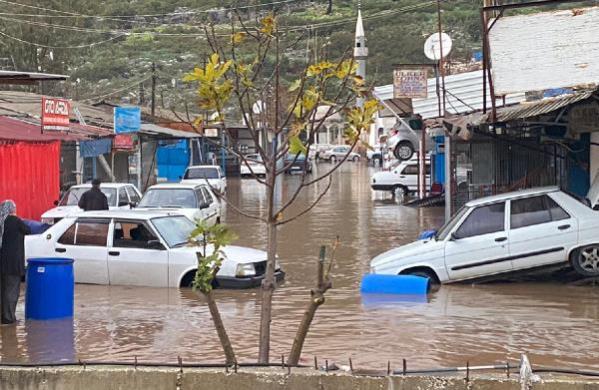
(172, 160)
(95, 148)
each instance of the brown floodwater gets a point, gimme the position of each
(553, 323)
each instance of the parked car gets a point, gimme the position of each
(403, 142)
(254, 161)
(134, 248)
(316, 150)
(339, 152)
(198, 174)
(402, 177)
(120, 195)
(195, 201)
(502, 234)
(297, 163)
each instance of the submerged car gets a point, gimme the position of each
(401, 177)
(502, 234)
(199, 174)
(195, 201)
(119, 195)
(297, 163)
(150, 248)
(253, 165)
(338, 153)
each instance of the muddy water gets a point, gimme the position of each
(555, 324)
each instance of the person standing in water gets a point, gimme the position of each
(12, 259)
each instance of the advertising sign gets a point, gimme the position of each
(410, 82)
(55, 114)
(123, 142)
(127, 119)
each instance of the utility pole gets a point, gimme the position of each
(153, 88)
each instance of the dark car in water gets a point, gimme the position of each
(297, 163)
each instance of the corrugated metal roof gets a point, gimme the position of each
(16, 130)
(464, 95)
(6, 76)
(151, 129)
(535, 108)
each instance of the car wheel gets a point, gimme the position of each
(586, 261)
(333, 159)
(400, 192)
(404, 150)
(434, 282)
(187, 280)
(356, 159)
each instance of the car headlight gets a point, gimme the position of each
(245, 270)
(49, 221)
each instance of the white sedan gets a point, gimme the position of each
(195, 201)
(119, 195)
(141, 249)
(253, 165)
(501, 234)
(200, 174)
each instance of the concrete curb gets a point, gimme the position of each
(129, 378)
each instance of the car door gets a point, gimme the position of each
(409, 177)
(86, 243)
(212, 206)
(479, 246)
(541, 232)
(136, 256)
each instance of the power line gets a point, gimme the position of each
(126, 88)
(68, 14)
(84, 46)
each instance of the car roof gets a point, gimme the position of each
(127, 214)
(190, 186)
(204, 166)
(512, 195)
(103, 185)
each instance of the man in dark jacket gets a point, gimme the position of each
(12, 259)
(93, 199)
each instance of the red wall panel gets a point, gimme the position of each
(30, 175)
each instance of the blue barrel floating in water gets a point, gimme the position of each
(50, 288)
(394, 284)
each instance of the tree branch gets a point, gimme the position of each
(307, 210)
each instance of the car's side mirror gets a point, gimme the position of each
(155, 244)
(454, 237)
(123, 203)
(133, 204)
(203, 205)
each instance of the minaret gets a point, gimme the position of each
(360, 51)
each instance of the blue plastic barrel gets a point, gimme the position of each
(394, 284)
(50, 288)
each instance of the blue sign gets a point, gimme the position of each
(127, 119)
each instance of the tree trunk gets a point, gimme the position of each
(220, 328)
(304, 327)
(268, 287)
(323, 283)
(330, 7)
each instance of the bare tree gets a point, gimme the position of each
(286, 121)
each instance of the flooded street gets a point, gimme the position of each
(554, 324)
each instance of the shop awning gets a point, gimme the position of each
(535, 108)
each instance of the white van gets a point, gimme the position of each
(401, 176)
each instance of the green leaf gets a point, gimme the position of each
(296, 146)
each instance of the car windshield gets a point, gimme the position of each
(174, 230)
(71, 198)
(291, 157)
(169, 198)
(201, 173)
(449, 225)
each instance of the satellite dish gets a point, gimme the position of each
(432, 47)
